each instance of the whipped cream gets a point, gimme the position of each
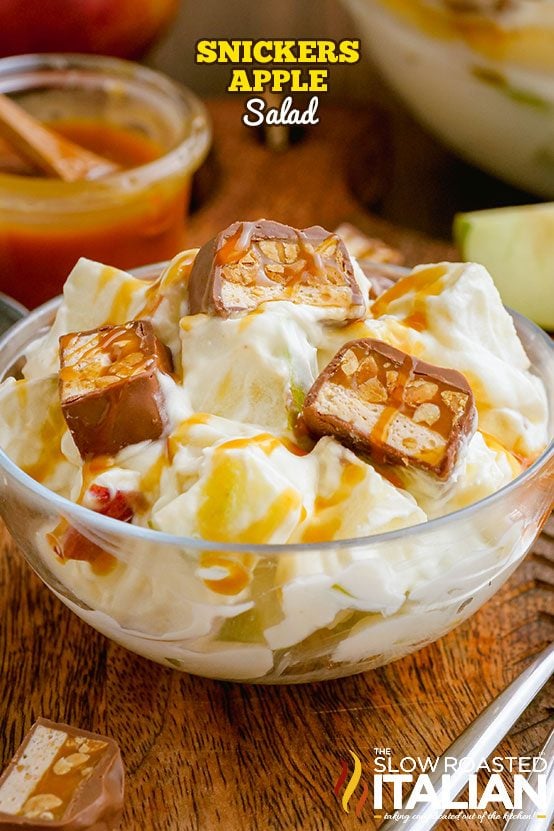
(230, 470)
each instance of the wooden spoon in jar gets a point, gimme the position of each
(48, 151)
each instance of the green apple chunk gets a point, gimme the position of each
(517, 246)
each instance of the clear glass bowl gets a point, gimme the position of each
(483, 83)
(426, 579)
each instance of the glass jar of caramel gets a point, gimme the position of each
(153, 128)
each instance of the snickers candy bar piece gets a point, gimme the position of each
(109, 388)
(393, 407)
(254, 262)
(64, 778)
(368, 248)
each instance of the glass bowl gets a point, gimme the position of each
(418, 583)
(483, 83)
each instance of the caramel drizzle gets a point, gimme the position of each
(225, 485)
(121, 343)
(121, 303)
(265, 441)
(50, 456)
(380, 430)
(425, 283)
(327, 518)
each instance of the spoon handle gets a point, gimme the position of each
(477, 741)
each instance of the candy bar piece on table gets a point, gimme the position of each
(109, 387)
(62, 777)
(393, 407)
(254, 262)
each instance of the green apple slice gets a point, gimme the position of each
(517, 246)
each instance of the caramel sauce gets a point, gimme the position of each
(93, 468)
(355, 330)
(417, 320)
(123, 299)
(178, 272)
(105, 277)
(224, 495)
(150, 480)
(261, 530)
(223, 500)
(424, 283)
(396, 402)
(125, 146)
(230, 252)
(327, 517)
(266, 442)
(320, 530)
(49, 439)
(351, 476)
(479, 390)
(152, 300)
(402, 337)
(81, 356)
(65, 538)
(244, 323)
(102, 563)
(311, 265)
(517, 463)
(238, 573)
(180, 435)
(132, 228)
(22, 392)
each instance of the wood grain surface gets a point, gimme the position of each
(206, 755)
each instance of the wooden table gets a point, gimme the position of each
(210, 755)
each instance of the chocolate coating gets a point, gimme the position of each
(393, 407)
(250, 263)
(64, 778)
(109, 390)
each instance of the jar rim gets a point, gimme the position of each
(184, 158)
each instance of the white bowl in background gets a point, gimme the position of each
(484, 85)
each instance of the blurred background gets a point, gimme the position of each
(421, 165)
(418, 163)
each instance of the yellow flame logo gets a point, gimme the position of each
(352, 784)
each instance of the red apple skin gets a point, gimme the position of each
(122, 28)
(71, 545)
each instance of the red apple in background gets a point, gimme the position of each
(123, 28)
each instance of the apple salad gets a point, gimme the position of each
(266, 390)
